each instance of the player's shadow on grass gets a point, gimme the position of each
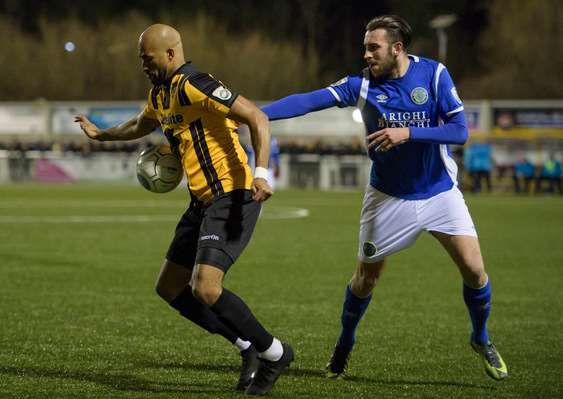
(192, 366)
(114, 380)
(315, 373)
(310, 373)
(419, 383)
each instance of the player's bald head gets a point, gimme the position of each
(160, 48)
(160, 37)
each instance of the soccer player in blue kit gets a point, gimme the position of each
(411, 112)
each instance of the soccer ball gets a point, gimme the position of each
(158, 169)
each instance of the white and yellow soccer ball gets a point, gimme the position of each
(158, 169)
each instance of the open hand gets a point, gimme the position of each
(88, 127)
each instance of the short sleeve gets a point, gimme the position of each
(209, 93)
(449, 102)
(346, 91)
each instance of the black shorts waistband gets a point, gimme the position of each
(240, 194)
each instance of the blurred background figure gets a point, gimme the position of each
(274, 165)
(550, 173)
(524, 172)
(478, 162)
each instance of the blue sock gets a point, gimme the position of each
(352, 312)
(478, 302)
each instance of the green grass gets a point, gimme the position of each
(79, 317)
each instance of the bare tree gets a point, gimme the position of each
(522, 51)
(105, 66)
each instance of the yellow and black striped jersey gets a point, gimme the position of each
(192, 109)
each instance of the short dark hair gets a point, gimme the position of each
(396, 27)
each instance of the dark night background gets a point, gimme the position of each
(496, 49)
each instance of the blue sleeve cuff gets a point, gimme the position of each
(453, 131)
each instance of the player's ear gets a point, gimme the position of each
(397, 47)
(170, 53)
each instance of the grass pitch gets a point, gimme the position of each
(80, 319)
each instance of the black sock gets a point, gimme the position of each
(233, 312)
(193, 310)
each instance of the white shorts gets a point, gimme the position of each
(389, 224)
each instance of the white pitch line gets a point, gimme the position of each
(49, 204)
(86, 219)
(270, 213)
(284, 213)
(46, 204)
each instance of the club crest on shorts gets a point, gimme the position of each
(419, 95)
(369, 249)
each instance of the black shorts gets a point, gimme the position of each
(215, 233)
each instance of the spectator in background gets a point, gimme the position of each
(274, 162)
(478, 162)
(524, 172)
(550, 172)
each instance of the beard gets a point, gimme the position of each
(385, 67)
(157, 77)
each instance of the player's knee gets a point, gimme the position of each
(368, 283)
(366, 277)
(475, 278)
(161, 292)
(207, 294)
(165, 291)
(363, 285)
(160, 289)
(473, 271)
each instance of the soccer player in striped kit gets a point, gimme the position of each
(411, 111)
(198, 116)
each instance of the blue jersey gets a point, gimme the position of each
(422, 98)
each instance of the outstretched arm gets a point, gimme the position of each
(134, 128)
(300, 104)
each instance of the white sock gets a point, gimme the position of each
(241, 344)
(274, 352)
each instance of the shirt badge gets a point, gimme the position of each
(419, 95)
(455, 95)
(222, 93)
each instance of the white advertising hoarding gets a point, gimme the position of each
(23, 119)
(103, 115)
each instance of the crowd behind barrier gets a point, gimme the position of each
(478, 171)
(83, 148)
(354, 147)
(526, 177)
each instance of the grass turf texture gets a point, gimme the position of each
(79, 316)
